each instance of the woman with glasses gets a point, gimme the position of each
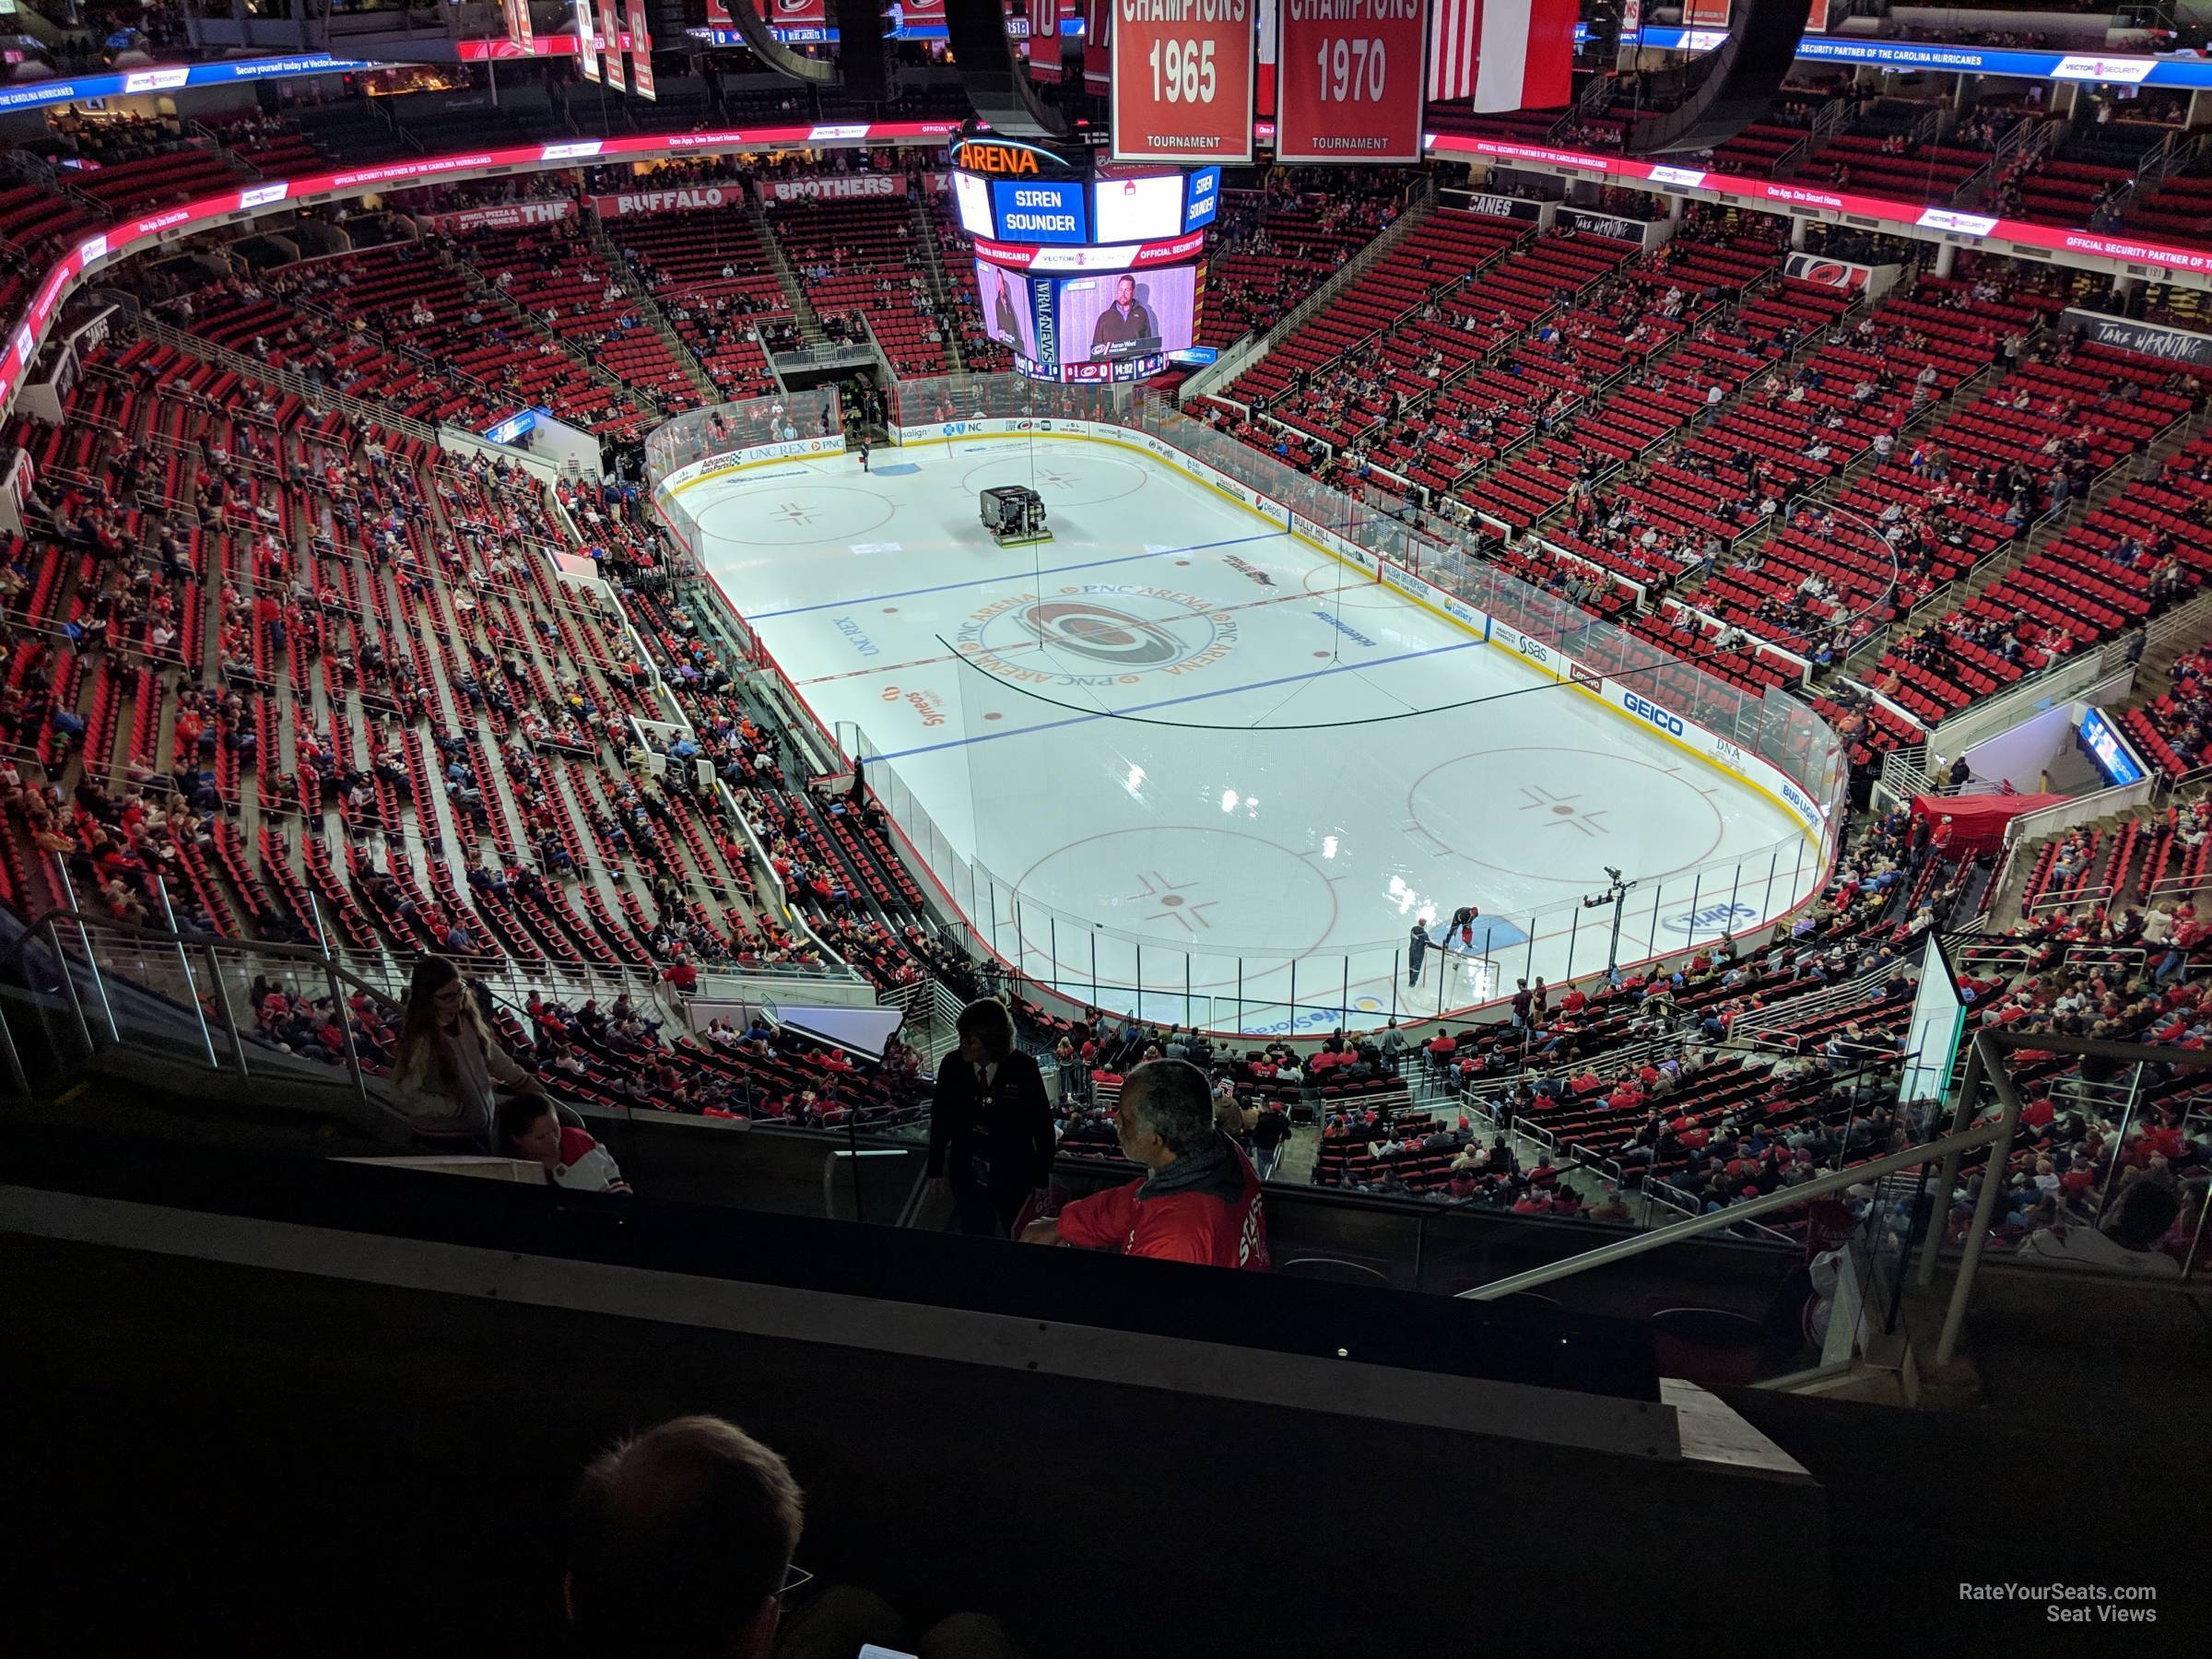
(447, 1062)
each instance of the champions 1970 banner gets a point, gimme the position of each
(1348, 80)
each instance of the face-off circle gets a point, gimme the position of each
(1061, 478)
(1332, 583)
(1566, 811)
(782, 513)
(1180, 886)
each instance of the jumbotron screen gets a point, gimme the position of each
(1133, 313)
(1119, 206)
(1009, 314)
(1109, 326)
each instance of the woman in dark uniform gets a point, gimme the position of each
(990, 1126)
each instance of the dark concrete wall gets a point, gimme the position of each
(263, 1462)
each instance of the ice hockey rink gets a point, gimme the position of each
(1177, 748)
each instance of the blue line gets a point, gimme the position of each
(1167, 703)
(945, 587)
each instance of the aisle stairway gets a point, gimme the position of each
(802, 308)
(640, 294)
(926, 238)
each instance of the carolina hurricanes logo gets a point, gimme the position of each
(1101, 635)
(1112, 637)
(1830, 274)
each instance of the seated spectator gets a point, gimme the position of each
(679, 1548)
(1199, 1200)
(531, 1129)
(1613, 1209)
(2127, 1243)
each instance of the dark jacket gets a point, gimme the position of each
(1004, 1140)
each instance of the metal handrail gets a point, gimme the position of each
(1985, 1060)
(283, 380)
(1830, 119)
(1842, 993)
(184, 942)
(1782, 1198)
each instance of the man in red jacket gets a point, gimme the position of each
(1199, 1202)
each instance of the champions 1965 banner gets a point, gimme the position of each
(1348, 80)
(1182, 86)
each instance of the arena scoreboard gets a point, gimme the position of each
(1088, 270)
(1012, 190)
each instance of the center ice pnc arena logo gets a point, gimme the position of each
(1113, 638)
(1117, 633)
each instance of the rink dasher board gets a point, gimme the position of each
(712, 467)
(1724, 756)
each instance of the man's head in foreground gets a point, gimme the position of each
(679, 1544)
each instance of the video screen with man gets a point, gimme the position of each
(1134, 313)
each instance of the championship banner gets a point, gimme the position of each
(586, 59)
(1351, 81)
(640, 51)
(628, 202)
(1097, 40)
(1183, 84)
(837, 187)
(610, 47)
(526, 34)
(507, 216)
(1504, 54)
(1042, 49)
